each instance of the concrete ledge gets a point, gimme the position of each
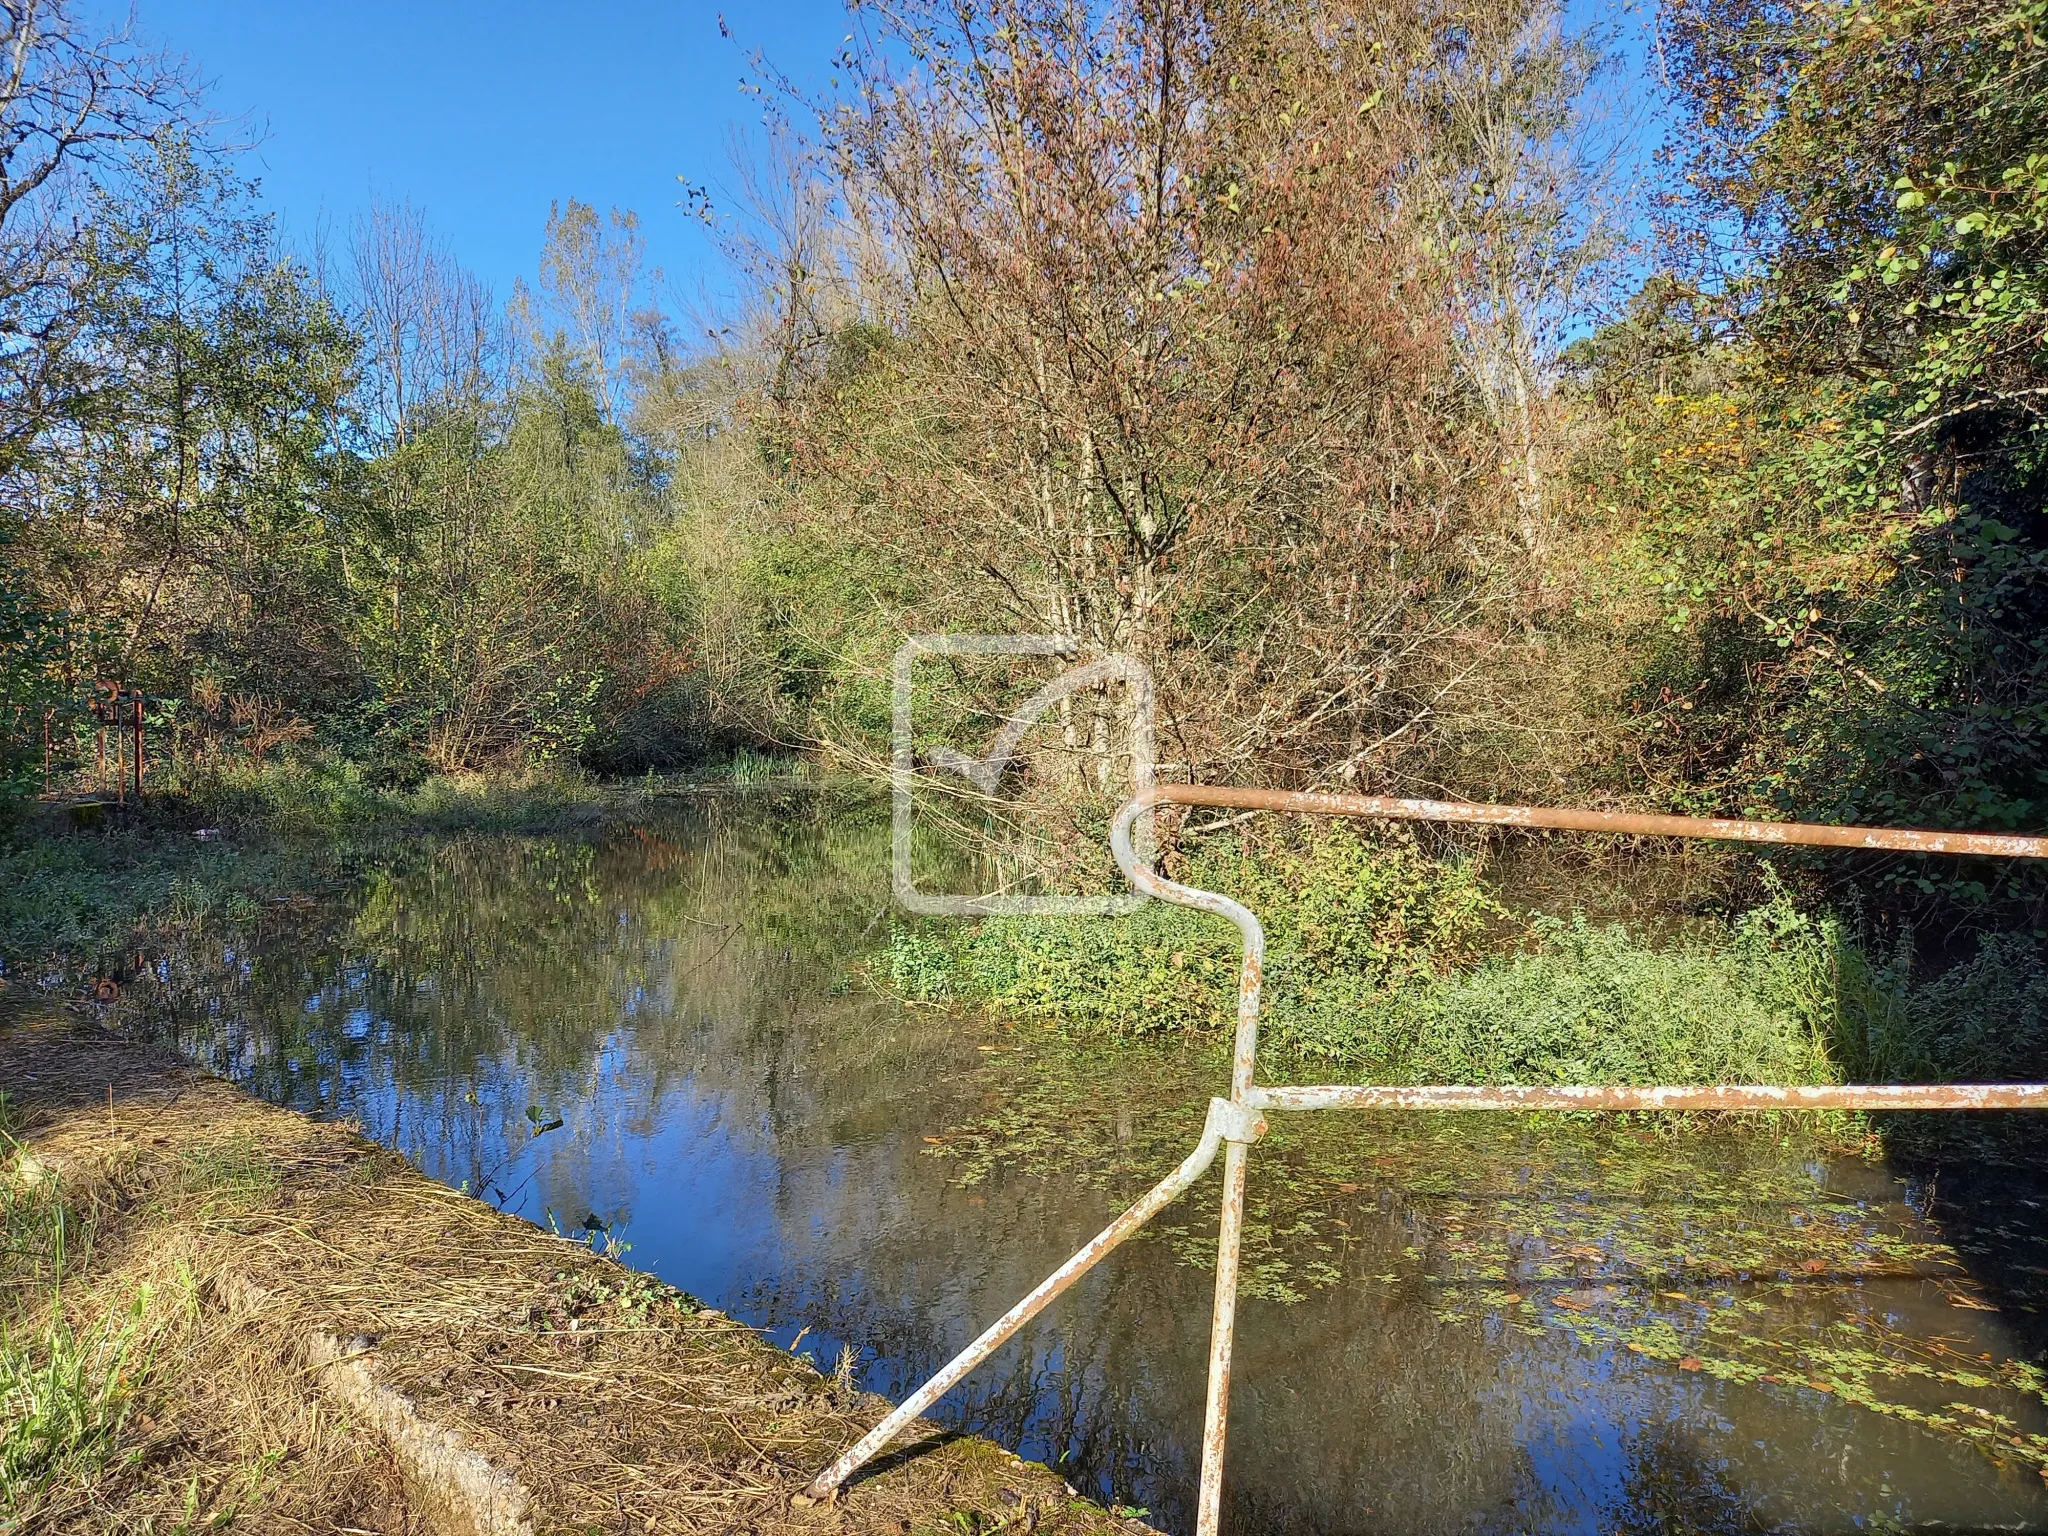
(509, 1380)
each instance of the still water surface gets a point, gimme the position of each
(1466, 1323)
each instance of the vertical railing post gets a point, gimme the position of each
(1230, 1220)
(1222, 1340)
(120, 746)
(135, 720)
(1238, 1121)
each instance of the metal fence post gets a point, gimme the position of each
(1222, 1340)
(1237, 1122)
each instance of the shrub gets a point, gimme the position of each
(1374, 967)
(1335, 906)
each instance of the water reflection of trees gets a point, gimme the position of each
(475, 976)
(667, 988)
(1353, 1412)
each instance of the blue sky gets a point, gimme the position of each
(483, 111)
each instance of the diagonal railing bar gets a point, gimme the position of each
(1238, 1121)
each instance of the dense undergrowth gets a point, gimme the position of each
(1390, 966)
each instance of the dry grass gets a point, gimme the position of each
(253, 1235)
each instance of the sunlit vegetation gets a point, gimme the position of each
(1326, 358)
(1393, 967)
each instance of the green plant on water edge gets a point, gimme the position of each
(846, 1375)
(742, 768)
(329, 796)
(747, 767)
(1376, 971)
(67, 901)
(271, 831)
(194, 901)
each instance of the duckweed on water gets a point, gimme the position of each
(1726, 1251)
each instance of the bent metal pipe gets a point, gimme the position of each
(1235, 1123)
(1227, 1121)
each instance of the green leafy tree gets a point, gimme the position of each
(1843, 495)
(202, 507)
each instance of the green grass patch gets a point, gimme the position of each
(68, 898)
(336, 800)
(211, 854)
(64, 1397)
(237, 1170)
(66, 1388)
(1385, 965)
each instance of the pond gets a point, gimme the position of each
(659, 1036)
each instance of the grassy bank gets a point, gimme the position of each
(79, 890)
(1387, 965)
(214, 1312)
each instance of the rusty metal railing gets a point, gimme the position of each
(1238, 1121)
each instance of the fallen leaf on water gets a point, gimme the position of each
(1689, 1363)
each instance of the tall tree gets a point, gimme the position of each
(196, 504)
(1520, 175)
(594, 294)
(1852, 527)
(1177, 366)
(78, 105)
